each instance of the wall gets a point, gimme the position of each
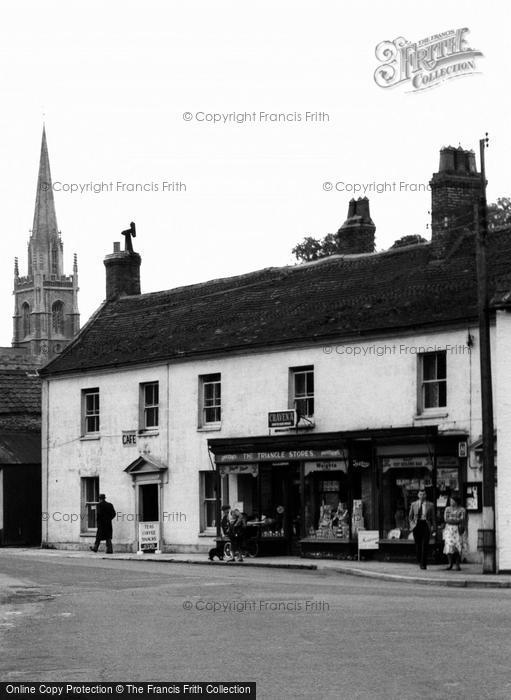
(357, 386)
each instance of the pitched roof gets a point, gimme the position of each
(20, 392)
(20, 448)
(337, 297)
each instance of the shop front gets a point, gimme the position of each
(309, 495)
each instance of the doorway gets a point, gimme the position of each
(149, 502)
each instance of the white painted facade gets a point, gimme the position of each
(359, 385)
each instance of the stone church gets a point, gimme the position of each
(46, 318)
(46, 313)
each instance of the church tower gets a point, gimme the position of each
(46, 313)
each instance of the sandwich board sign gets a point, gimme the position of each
(149, 537)
(368, 539)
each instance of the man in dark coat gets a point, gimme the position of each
(105, 513)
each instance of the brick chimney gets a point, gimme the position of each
(122, 273)
(356, 235)
(454, 189)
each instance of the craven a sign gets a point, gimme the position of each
(282, 419)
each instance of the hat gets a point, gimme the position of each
(226, 507)
(102, 496)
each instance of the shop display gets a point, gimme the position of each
(357, 517)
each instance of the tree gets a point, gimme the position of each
(314, 248)
(499, 213)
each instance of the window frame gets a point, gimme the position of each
(86, 504)
(93, 415)
(211, 379)
(145, 407)
(308, 397)
(204, 500)
(422, 383)
(57, 317)
(26, 325)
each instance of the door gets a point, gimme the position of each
(149, 502)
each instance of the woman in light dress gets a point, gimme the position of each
(454, 517)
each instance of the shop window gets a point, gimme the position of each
(57, 317)
(149, 404)
(302, 390)
(208, 498)
(433, 380)
(89, 501)
(25, 313)
(210, 400)
(330, 503)
(400, 485)
(90, 411)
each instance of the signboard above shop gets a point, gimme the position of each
(282, 419)
(279, 456)
(406, 463)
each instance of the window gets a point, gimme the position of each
(210, 393)
(302, 390)
(25, 313)
(433, 377)
(54, 260)
(57, 317)
(89, 501)
(208, 498)
(150, 406)
(90, 411)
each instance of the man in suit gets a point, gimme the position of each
(422, 524)
(105, 513)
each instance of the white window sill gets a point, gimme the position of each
(148, 432)
(92, 533)
(433, 415)
(209, 427)
(90, 437)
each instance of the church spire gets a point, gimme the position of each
(45, 245)
(45, 218)
(46, 313)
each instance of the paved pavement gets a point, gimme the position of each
(470, 576)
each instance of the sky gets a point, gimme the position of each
(128, 91)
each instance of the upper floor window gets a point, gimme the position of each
(433, 380)
(25, 313)
(210, 400)
(302, 390)
(90, 411)
(149, 394)
(57, 317)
